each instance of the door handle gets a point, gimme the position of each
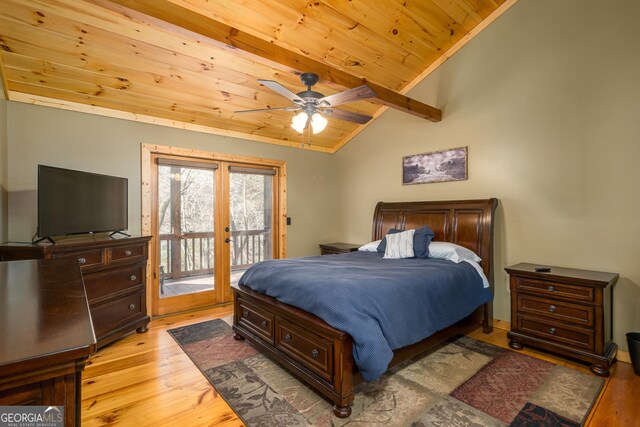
(227, 229)
(227, 240)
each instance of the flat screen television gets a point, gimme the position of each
(75, 202)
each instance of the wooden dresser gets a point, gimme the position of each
(46, 336)
(114, 274)
(338, 248)
(564, 310)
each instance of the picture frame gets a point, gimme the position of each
(436, 166)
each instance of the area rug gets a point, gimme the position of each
(464, 382)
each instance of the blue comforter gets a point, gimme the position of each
(384, 304)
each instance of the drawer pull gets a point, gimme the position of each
(552, 308)
(264, 323)
(127, 253)
(287, 337)
(552, 331)
(132, 306)
(315, 353)
(133, 277)
(82, 260)
(551, 288)
(245, 313)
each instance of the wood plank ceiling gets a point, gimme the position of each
(193, 63)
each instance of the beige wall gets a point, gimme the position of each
(112, 146)
(548, 101)
(3, 165)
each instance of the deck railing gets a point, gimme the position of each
(194, 252)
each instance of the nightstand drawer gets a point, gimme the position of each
(581, 315)
(331, 252)
(338, 248)
(572, 336)
(555, 289)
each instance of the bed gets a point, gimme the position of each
(322, 355)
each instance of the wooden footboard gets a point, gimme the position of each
(315, 352)
(301, 342)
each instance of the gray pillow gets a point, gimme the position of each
(421, 240)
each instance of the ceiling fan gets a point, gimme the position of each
(313, 104)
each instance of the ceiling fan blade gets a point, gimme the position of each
(347, 115)
(277, 87)
(355, 94)
(268, 109)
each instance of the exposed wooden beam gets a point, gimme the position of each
(259, 50)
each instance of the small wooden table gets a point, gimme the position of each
(46, 336)
(564, 310)
(338, 248)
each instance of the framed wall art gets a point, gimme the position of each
(437, 166)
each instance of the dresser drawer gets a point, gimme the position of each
(554, 289)
(572, 336)
(106, 283)
(127, 253)
(259, 321)
(87, 259)
(111, 314)
(581, 315)
(305, 347)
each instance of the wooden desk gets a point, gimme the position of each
(47, 334)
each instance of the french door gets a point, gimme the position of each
(211, 220)
(251, 220)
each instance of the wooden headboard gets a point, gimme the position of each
(468, 223)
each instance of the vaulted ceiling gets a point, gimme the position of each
(193, 63)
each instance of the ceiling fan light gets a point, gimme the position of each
(299, 122)
(318, 123)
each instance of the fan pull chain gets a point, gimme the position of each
(308, 128)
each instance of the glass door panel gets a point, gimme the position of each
(186, 230)
(251, 219)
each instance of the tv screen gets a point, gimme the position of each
(73, 202)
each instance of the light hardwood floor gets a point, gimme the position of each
(146, 379)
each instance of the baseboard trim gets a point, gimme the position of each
(622, 356)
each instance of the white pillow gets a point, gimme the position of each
(452, 252)
(400, 245)
(485, 281)
(370, 247)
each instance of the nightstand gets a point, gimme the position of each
(337, 248)
(565, 311)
